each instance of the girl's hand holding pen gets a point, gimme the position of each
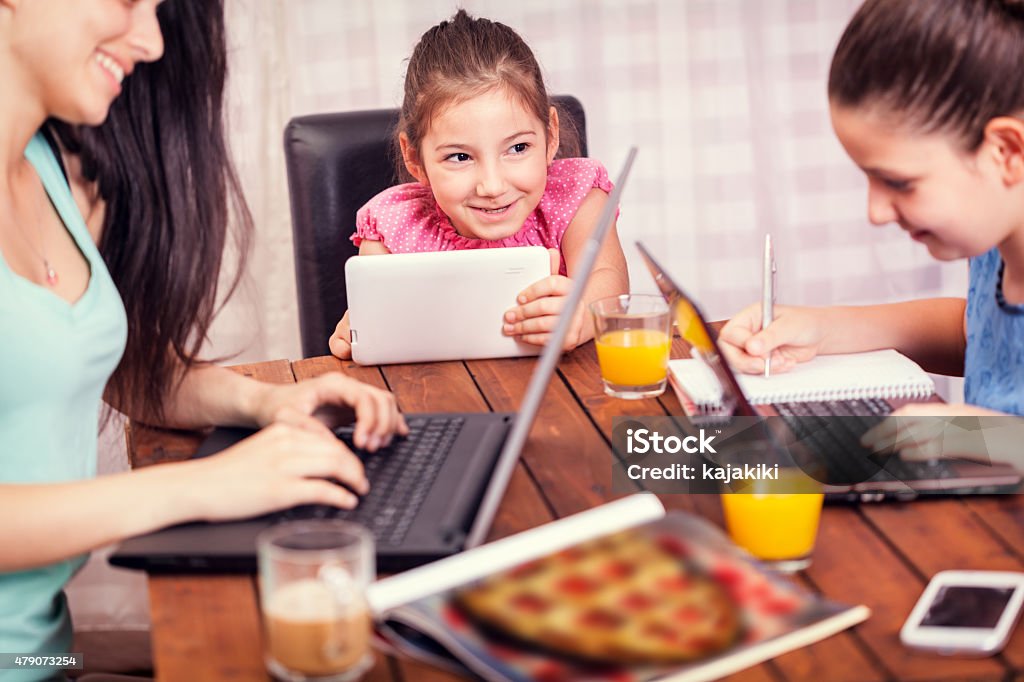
(795, 335)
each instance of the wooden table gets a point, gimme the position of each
(207, 628)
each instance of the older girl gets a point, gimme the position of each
(927, 99)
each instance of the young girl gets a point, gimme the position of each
(927, 99)
(109, 259)
(479, 136)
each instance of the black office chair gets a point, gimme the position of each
(336, 163)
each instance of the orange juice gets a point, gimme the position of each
(773, 526)
(633, 357)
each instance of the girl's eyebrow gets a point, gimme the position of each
(460, 146)
(886, 175)
(451, 145)
(519, 134)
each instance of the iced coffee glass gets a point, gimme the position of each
(313, 580)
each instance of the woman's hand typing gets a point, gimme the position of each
(281, 466)
(300, 404)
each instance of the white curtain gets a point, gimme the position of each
(726, 99)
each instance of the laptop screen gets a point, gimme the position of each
(694, 329)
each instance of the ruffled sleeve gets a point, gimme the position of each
(569, 182)
(396, 217)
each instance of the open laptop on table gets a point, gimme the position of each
(831, 429)
(432, 493)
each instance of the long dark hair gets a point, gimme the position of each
(462, 58)
(162, 166)
(945, 66)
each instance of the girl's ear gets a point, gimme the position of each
(552, 134)
(1004, 136)
(411, 158)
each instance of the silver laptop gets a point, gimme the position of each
(829, 431)
(432, 494)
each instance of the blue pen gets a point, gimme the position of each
(768, 294)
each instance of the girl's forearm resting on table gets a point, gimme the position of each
(930, 331)
(60, 520)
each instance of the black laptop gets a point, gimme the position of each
(433, 493)
(830, 430)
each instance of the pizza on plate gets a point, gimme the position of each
(626, 599)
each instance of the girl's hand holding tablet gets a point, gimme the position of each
(540, 304)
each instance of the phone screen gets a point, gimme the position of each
(967, 607)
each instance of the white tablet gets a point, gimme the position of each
(448, 305)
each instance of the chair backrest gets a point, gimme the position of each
(336, 163)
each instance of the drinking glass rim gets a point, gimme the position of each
(361, 540)
(623, 299)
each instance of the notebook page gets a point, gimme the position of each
(877, 374)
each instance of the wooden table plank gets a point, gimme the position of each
(204, 627)
(1003, 515)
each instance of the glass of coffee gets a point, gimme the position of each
(313, 579)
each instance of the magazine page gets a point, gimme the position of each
(672, 600)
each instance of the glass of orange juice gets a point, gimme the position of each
(776, 520)
(632, 336)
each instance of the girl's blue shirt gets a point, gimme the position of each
(994, 363)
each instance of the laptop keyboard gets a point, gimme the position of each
(832, 430)
(401, 475)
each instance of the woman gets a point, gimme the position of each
(154, 185)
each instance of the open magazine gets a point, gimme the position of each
(624, 591)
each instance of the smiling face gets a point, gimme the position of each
(74, 54)
(485, 160)
(958, 204)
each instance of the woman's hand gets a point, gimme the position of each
(540, 305)
(376, 412)
(280, 466)
(795, 335)
(340, 343)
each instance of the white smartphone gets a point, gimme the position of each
(966, 612)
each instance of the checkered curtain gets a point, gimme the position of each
(726, 99)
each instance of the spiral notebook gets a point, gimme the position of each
(876, 374)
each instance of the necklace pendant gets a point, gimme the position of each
(51, 275)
